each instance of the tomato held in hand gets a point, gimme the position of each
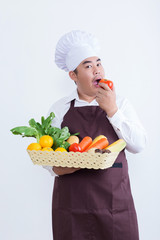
(74, 147)
(108, 82)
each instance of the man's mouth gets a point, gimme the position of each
(96, 82)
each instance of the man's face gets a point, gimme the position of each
(89, 72)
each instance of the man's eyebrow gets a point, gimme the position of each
(91, 61)
(87, 62)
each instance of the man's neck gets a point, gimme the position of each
(85, 97)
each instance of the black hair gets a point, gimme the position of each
(75, 71)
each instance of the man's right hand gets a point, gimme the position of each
(64, 170)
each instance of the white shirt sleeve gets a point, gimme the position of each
(128, 127)
(50, 169)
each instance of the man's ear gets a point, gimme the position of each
(73, 76)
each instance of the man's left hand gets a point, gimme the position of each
(106, 99)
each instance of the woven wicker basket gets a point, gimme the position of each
(73, 159)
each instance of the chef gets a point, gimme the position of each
(87, 203)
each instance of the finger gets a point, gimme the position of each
(98, 97)
(104, 86)
(102, 91)
(113, 89)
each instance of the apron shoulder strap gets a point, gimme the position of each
(72, 103)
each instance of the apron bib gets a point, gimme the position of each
(93, 204)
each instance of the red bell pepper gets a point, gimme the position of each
(75, 147)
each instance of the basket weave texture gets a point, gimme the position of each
(73, 159)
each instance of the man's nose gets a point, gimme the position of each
(96, 70)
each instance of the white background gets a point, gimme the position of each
(30, 82)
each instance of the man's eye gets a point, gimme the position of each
(88, 66)
(99, 64)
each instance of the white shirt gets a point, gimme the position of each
(125, 121)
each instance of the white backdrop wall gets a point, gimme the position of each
(30, 82)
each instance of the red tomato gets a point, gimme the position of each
(108, 82)
(74, 147)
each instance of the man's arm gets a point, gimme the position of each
(123, 119)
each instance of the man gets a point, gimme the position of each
(87, 203)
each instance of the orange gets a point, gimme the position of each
(47, 149)
(34, 146)
(60, 149)
(46, 141)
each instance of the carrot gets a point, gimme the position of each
(97, 138)
(85, 143)
(100, 144)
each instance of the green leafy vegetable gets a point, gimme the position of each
(37, 130)
(25, 131)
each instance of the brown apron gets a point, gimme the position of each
(93, 204)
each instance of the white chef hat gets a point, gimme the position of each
(73, 48)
